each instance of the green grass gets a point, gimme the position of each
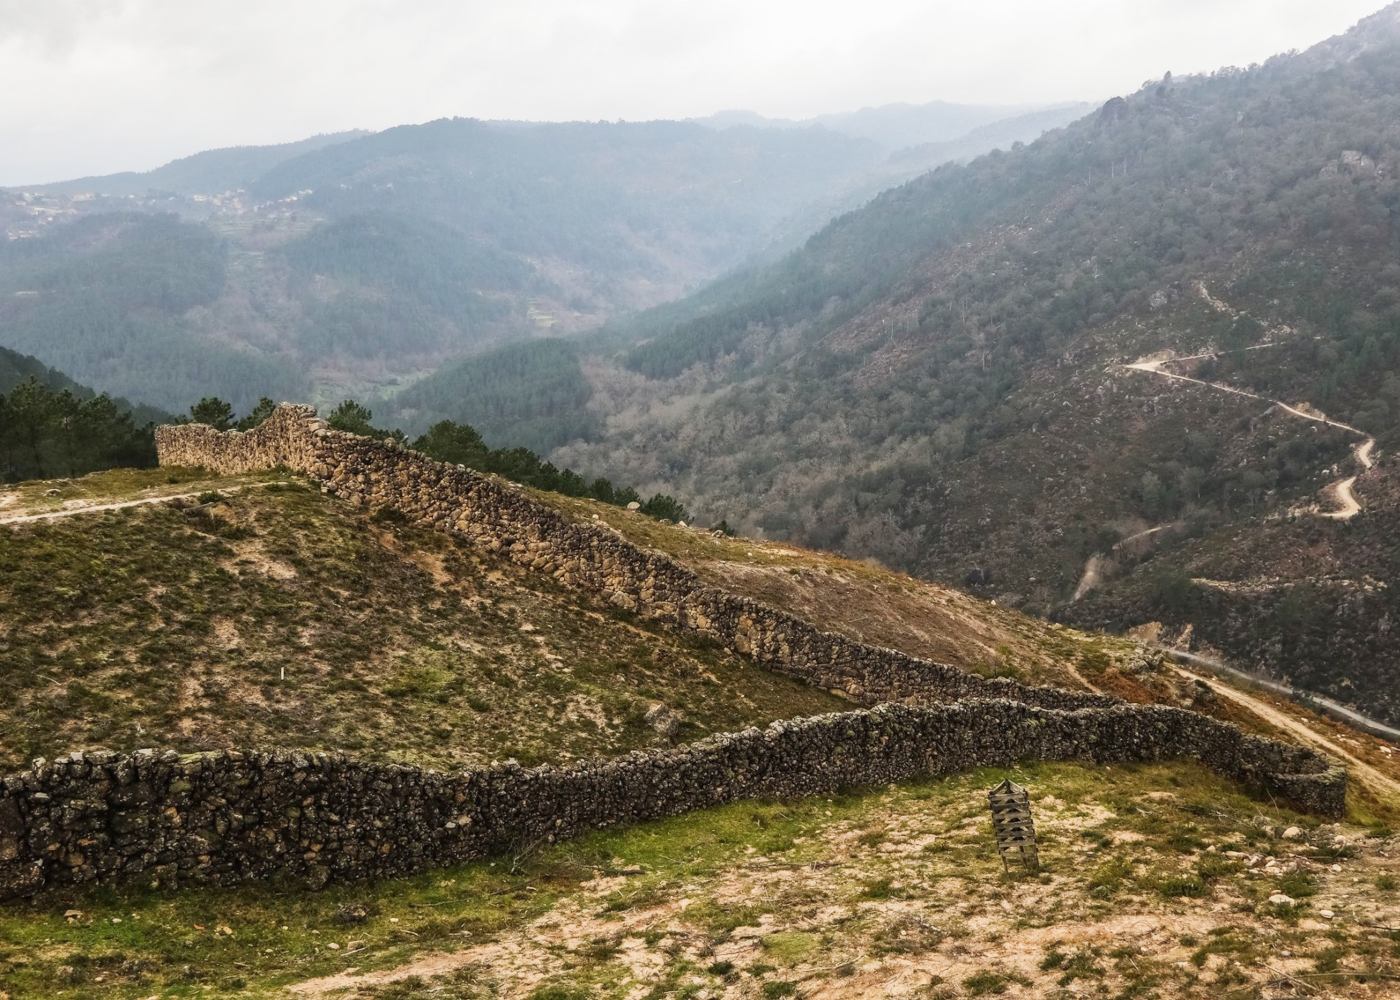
(279, 616)
(257, 938)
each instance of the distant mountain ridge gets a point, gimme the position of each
(941, 378)
(209, 172)
(355, 264)
(904, 125)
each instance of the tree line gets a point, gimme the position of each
(460, 444)
(47, 432)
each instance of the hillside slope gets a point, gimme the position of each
(241, 610)
(957, 379)
(297, 622)
(303, 621)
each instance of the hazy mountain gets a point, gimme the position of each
(898, 126)
(940, 379)
(364, 262)
(1000, 134)
(209, 172)
(354, 264)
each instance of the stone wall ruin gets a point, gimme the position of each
(227, 816)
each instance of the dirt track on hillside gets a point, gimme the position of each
(81, 507)
(1342, 492)
(1360, 770)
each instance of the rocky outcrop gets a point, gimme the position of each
(225, 817)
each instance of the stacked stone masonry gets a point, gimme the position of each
(500, 518)
(224, 817)
(227, 816)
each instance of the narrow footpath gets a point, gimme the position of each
(81, 507)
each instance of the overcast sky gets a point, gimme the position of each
(96, 86)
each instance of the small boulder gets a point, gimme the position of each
(665, 722)
(317, 877)
(351, 914)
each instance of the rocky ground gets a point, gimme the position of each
(1156, 881)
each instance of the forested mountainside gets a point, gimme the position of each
(116, 300)
(16, 368)
(941, 379)
(353, 264)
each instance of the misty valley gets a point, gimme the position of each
(616, 558)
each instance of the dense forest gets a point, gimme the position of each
(938, 378)
(51, 425)
(533, 393)
(47, 433)
(104, 299)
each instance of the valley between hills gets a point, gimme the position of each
(700, 518)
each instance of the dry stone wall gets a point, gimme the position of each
(501, 518)
(224, 817)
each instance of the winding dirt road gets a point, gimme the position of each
(1093, 569)
(1343, 492)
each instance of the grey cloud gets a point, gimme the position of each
(127, 84)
